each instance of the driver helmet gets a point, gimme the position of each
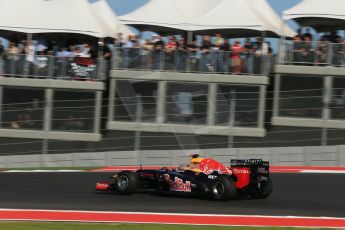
(195, 163)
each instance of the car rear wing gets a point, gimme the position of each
(257, 166)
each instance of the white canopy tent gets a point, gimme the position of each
(192, 9)
(239, 17)
(108, 18)
(271, 19)
(160, 16)
(51, 16)
(235, 17)
(320, 14)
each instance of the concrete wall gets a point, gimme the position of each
(288, 156)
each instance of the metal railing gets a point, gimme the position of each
(223, 62)
(236, 111)
(319, 53)
(52, 67)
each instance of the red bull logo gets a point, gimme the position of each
(177, 184)
(208, 166)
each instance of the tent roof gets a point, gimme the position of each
(50, 16)
(233, 17)
(108, 18)
(271, 19)
(244, 16)
(159, 16)
(320, 14)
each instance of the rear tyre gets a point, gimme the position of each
(126, 182)
(263, 192)
(223, 188)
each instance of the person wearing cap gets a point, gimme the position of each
(154, 38)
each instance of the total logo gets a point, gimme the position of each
(177, 184)
(241, 171)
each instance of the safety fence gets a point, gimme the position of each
(76, 115)
(319, 53)
(53, 67)
(292, 156)
(240, 107)
(196, 61)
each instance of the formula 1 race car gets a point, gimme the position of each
(203, 177)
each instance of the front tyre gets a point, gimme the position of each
(126, 182)
(223, 188)
(263, 192)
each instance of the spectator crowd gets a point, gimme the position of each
(42, 59)
(216, 53)
(328, 50)
(207, 54)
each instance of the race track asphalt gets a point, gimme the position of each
(293, 195)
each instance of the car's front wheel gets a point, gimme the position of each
(126, 182)
(223, 188)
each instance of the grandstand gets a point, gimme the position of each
(146, 98)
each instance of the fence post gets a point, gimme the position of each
(161, 102)
(212, 100)
(97, 112)
(327, 97)
(137, 141)
(47, 122)
(161, 60)
(329, 54)
(276, 95)
(232, 117)
(341, 155)
(111, 100)
(263, 54)
(262, 107)
(51, 65)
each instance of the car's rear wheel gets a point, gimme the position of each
(264, 191)
(223, 188)
(126, 182)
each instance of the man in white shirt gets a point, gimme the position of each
(29, 58)
(30, 52)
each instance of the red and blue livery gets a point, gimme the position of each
(204, 177)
